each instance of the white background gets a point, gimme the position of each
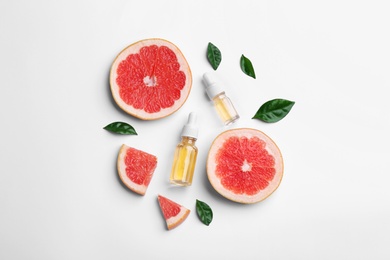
(60, 197)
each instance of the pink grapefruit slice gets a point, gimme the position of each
(244, 165)
(150, 79)
(136, 168)
(174, 214)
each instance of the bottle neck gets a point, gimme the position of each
(219, 96)
(188, 139)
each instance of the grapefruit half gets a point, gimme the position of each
(150, 79)
(136, 168)
(174, 214)
(244, 165)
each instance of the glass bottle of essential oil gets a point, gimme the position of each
(222, 103)
(185, 154)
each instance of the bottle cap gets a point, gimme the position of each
(212, 85)
(190, 129)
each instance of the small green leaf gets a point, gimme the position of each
(121, 128)
(274, 110)
(205, 213)
(214, 55)
(246, 67)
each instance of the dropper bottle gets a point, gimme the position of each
(222, 103)
(185, 154)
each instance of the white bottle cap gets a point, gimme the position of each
(190, 129)
(211, 83)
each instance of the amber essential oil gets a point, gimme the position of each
(225, 109)
(186, 152)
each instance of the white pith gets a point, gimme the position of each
(140, 113)
(150, 81)
(271, 147)
(246, 166)
(178, 219)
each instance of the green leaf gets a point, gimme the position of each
(274, 110)
(121, 128)
(214, 55)
(205, 213)
(246, 66)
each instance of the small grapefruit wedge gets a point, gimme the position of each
(136, 168)
(150, 79)
(244, 165)
(174, 213)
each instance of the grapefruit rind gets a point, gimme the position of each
(121, 166)
(134, 49)
(174, 221)
(272, 149)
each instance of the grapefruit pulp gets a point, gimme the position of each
(150, 79)
(174, 214)
(244, 165)
(136, 168)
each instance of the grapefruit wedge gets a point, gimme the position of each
(150, 79)
(244, 165)
(136, 168)
(174, 213)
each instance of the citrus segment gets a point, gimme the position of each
(244, 165)
(174, 213)
(150, 79)
(136, 168)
